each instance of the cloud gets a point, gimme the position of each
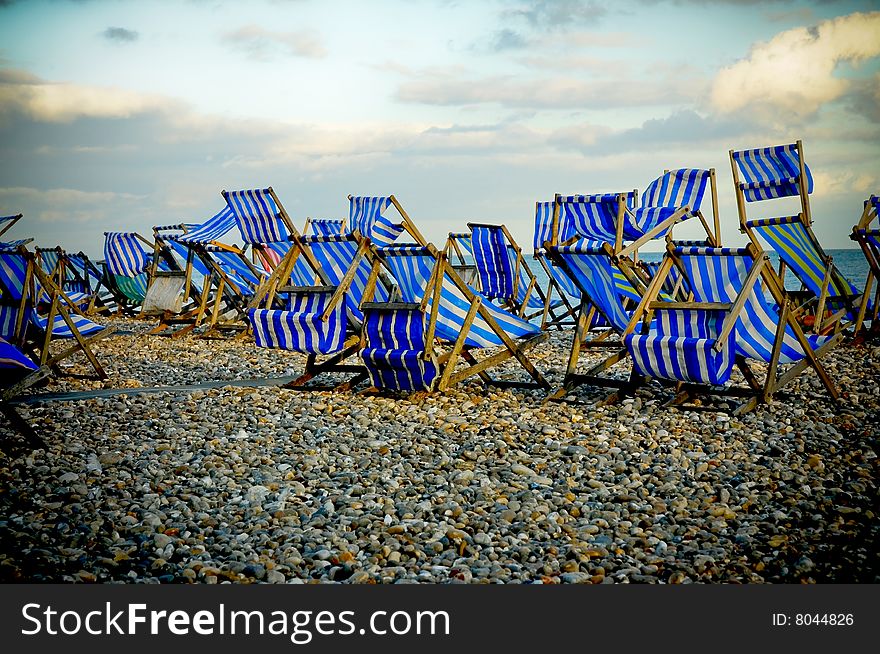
(265, 45)
(452, 87)
(507, 39)
(550, 15)
(792, 76)
(120, 35)
(23, 92)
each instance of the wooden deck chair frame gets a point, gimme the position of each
(459, 349)
(755, 390)
(196, 301)
(278, 283)
(804, 301)
(868, 239)
(10, 223)
(40, 348)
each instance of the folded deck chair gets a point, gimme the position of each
(867, 234)
(739, 312)
(17, 373)
(777, 172)
(33, 325)
(502, 273)
(434, 302)
(126, 266)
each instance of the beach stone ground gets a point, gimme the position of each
(474, 485)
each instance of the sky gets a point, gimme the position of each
(122, 115)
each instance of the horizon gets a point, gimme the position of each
(121, 116)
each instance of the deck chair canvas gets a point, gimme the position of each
(500, 270)
(562, 311)
(32, 325)
(738, 312)
(867, 234)
(600, 258)
(18, 373)
(311, 302)
(85, 277)
(770, 173)
(126, 268)
(54, 262)
(433, 302)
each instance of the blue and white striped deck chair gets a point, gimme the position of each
(503, 272)
(53, 262)
(398, 348)
(867, 234)
(22, 282)
(677, 194)
(6, 222)
(126, 263)
(366, 218)
(778, 172)
(733, 317)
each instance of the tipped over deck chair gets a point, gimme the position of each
(777, 172)
(433, 302)
(31, 324)
(731, 319)
(867, 234)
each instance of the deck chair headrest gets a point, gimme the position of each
(259, 216)
(677, 188)
(366, 217)
(771, 172)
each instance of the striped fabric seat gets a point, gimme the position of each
(124, 254)
(682, 347)
(411, 267)
(133, 288)
(211, 230)
(335, 255)
(395, 350)
(235, 268)
(597, 279)
(299, 328)
(60, 329)
(594, 217)
(493, 260)
(12, 358)
(544, 234)
(790, 239)
(258, 216)
(671, 191)
(772, 172)
(326, 226)
(14, 245)
(366, 217)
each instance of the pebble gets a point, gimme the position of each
(473, 485)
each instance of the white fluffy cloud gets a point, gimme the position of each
(61, 102)
(793, 74)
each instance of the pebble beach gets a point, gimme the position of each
(258, 484)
